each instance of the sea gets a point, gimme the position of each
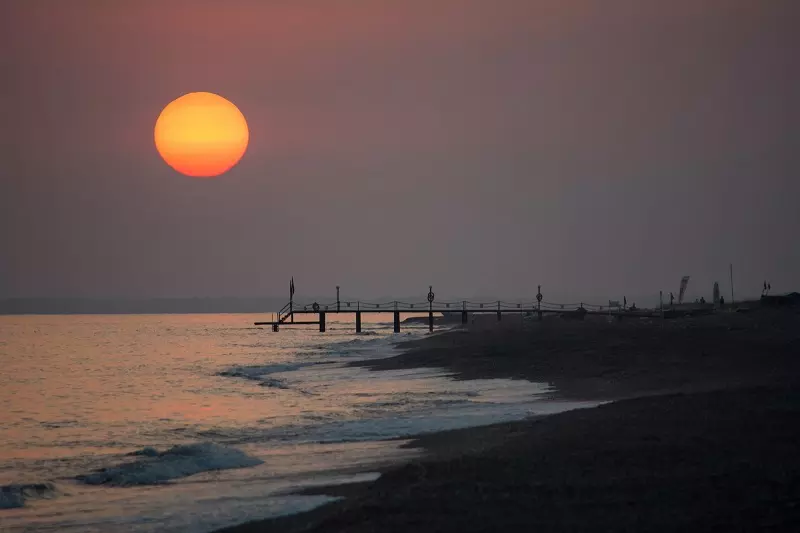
(190, 423)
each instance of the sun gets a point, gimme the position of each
(201, 134)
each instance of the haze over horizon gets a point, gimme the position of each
(596, 148)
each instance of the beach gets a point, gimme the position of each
(697, 432)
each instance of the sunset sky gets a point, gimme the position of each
(599, 148)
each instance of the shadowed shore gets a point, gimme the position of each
(704, 436)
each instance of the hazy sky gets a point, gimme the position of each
(599, 148)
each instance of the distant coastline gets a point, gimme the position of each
(122, 306)
(109, 306)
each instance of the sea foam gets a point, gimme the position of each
(13, 496)
(257, 372)
(177, 462)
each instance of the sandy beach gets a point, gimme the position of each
(701, 435)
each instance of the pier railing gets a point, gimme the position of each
(286, 316)
(437, 305)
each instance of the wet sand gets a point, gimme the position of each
(703, 435)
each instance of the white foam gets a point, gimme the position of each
(256, 372)
(177, 462)
(362, 348)
(14, 496)
(274, 383)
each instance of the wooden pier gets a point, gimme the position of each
(538, 308)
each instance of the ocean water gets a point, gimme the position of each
(168, 423)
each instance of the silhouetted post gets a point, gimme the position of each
(322, 321)
(358, 321)
(539, 301)
(291, 300)
(499, 316)
(397, 321)
(338, 304)
(464, 318)
(275, 327)
(732, 300)
(430, 308)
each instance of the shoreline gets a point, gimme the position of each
(691, 401)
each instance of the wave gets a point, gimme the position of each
(177, 462)
(273, 383)
(376, 345)
(257, 372)
(14, 496)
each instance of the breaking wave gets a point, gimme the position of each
(274, 383)
(14, 496)
(257, 372)
(177, 462)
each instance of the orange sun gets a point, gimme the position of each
(201, 135)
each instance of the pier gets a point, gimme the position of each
(537, 307)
